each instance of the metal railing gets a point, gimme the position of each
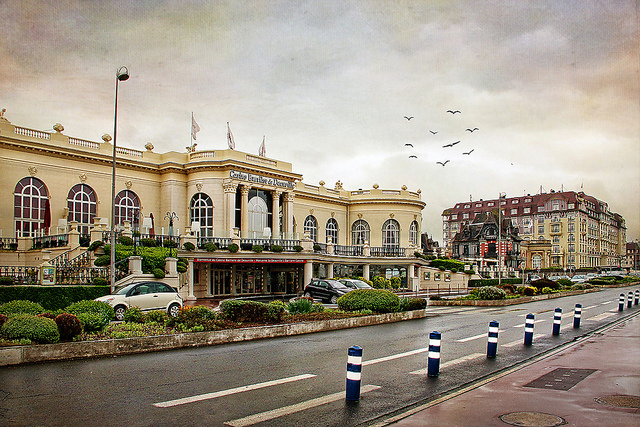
(23, 275)
(52, 241)
(387, 251)
(8, 243)
(348, 250)
(220, 242)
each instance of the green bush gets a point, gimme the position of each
(233, 248)
(21, 307)
(7, 281)
(376, 300)
(133, 315)
(194, 318)
(410, 304)
(157, 316)
(149, 243)
(94, 315)
(102, 260)
(565, 282)
(478, 283)
(169, 244)
(182, 265)
(246, 311)
(125, 240)
(189, 246)
(100, 281)
(26, 326)
(395, 282)
(317, 307)
(95, 245)
(300, 306)
(210, 247)
(276, 248)
(158, 273)
(547, 290)
(529, 291)
(69, 326)
(297, 248)
(520, 290)
(257, 248)
(447, 264)
(545, 283)
(52, 297)
(578, 287)
(380, 282)
(491, 293)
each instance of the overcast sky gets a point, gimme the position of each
(553, 87)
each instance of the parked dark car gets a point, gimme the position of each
(326, 290)
(355, 284)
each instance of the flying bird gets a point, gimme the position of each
(433, 131)
(408, 118)
(453, 111)
(451, 145)
(440, 163)
(472, 130)
(413, 157)
(408, 145)
(469, 152)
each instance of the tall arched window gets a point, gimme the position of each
(127, 208)
(413, 233)
(30, 204)
(391, 233)
(536, 261)
(360, 232)
(81, 202)
(258, 217)
(331, 230)
(311, 226)
(201, 210)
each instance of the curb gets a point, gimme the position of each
(15, 355)
(513, 301)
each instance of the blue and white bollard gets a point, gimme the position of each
(354, 373)
(528, 329)
(492, 339)
(637, 299)
(630, 299)
(621, 303)
(433, 364)
(557, 320)
(577, 315)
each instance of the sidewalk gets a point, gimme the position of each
(593, 382)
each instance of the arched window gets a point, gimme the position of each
(536, 261)
(201, 210)
(391, 233)
(331, 230)
(258, 217)
(127, 208)
(30, 207)
(413, 233)
(81, 202)
(311, 226)
(360, 232)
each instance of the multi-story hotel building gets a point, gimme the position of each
(50, 181)
(568, 229)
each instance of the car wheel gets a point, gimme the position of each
(119, 310)
(334, 299)
(308, 295)
(173, 310)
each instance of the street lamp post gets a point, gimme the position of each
(121, 75)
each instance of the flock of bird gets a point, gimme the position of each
(433, 132)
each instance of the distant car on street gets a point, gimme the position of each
(579, 278)
(326, 290)
(145, 295)
(355, 284)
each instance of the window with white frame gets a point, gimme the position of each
(413, 233)
(391, 233)
(127, 207)
(331, 230)
(82, 205)
(311, 227)
(201, 210)
(30, 200)
(536, 261)
(360, 232)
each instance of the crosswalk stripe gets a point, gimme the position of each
(395, 356)
(475, 337)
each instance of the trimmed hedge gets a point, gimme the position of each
(17, 307)
(251, 311)
(491, 293)
(410, 304)
(376, 300)
(478, 283)
(26, 326)
(52, 297)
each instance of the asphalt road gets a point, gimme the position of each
(291, 381)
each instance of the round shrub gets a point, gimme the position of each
(21, 307)
(276, 248)
(95, 245)
(376, 300)
(233, 247)
(69, 326)
(148, 243)
(169, 244)
(565, 282)
(27, 326)
(300, 306)
(102, 260)
(210, 247)
(491, 293)
(529, 291)
(189, 246)
(257, 248)
(94, 315)
(297, 248)
(156, 316)
(545, 283)
(158, 273)
(125, 240)
(133, 315)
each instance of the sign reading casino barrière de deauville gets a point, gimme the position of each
(261, 179)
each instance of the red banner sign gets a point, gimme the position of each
(250, 260)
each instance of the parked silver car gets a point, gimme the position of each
(145, 295)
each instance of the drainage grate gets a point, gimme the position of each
(532, 419)
(620, 400)
(561, 378)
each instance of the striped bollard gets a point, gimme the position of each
(528, 329)
(637, 299)
(630, 299)
(621, 303)
(354, 373)
(433, 365)
(577, 314)
(492, 339)
(557, 320)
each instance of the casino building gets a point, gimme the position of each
(53, 184)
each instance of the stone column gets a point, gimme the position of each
(330, 270)
(288, 216)
(308, 273)
(229, 208)
(275, 215)
(244, 212)
(365, 271)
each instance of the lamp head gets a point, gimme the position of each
(122, 74)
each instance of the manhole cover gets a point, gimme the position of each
(532, 419)
(561, 378)
(621, 400)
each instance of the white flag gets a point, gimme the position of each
(232, 143)
(194, 127)
(263, 150)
